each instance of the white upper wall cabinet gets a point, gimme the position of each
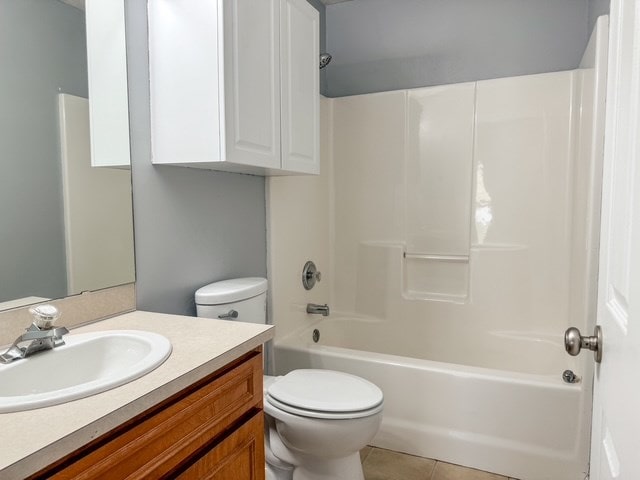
(234, 85)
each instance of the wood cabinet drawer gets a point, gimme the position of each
(165, 438)
(238, 457)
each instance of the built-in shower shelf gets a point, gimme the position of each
(434, 297)
(437, 258)
(499, 247)
(435, 277)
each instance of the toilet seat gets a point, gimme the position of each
(325, 394)
(301, 412)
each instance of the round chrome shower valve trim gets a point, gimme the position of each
(310, 275)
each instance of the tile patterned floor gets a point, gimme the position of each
(379, 464)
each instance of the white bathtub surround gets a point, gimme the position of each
(438, 177)
(462, 243)
(439, 160)
(592, 85)
(299, 229)
(507, 225)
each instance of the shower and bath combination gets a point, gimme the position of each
(513, 403)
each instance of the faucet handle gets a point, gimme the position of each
(44, 316)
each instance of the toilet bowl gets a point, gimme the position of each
(316, 421)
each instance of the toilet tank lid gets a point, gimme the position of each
(232, 290)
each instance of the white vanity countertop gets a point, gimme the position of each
(34, 439)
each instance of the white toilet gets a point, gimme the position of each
(316, 421)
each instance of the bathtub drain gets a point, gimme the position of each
(316, 335)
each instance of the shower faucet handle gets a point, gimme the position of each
(310, 275)
(574, 342)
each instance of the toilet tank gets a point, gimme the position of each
(246, 296)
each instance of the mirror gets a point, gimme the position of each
(65, 226)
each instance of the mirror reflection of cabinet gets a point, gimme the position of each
(43, 54)
(97, 207)
(107, 73)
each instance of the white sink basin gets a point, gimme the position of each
(87, 364)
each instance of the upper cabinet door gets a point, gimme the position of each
(184, 81)
(252, 82)
(299, 73)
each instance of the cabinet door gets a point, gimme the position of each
(252, 82)
(239, 456)
(167, 437)
(184, 81)
(299, 42)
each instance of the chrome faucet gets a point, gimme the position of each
(321, 309)
(41, 335)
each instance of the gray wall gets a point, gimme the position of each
(196, 226)
(597, 8)
(380, 45)
(42, 52)
(191, 226)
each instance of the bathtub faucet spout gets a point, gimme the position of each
(321, 309)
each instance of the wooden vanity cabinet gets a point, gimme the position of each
(211, 430)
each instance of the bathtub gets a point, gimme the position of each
(523, 424)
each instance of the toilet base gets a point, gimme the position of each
(275, 473)
(348, 468)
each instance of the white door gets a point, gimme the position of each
(615, 444)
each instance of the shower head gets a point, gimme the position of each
(325, 58)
